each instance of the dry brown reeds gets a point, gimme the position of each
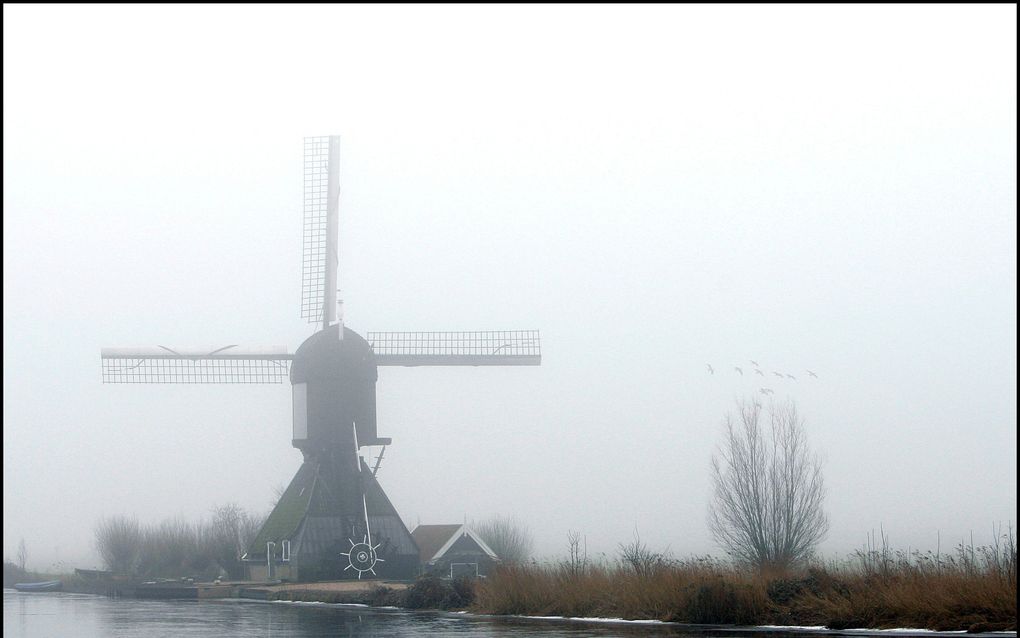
(696, 591)
(973, 589)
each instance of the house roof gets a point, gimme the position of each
(431, 537)
(434, 540)
(285, 518)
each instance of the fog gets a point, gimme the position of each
(657, 189)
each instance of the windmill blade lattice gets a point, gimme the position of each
(319, 233)
(481, 348)
(230, 365)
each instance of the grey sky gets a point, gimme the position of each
(829, 188)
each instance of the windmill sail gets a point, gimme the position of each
(319, 236)
(229, 364)
(488, 348)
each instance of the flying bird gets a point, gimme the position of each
(759, 372)
(791, 377)
(812, 374)
(754, 363)
(739, 370)
(710, 370)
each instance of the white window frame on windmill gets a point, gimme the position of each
(285, 551)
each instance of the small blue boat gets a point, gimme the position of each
(48, 585)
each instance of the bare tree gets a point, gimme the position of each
(768, 490)
(231, 530)
(119, 541)
(508, 537)
(22, 554)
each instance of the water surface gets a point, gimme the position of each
(88, 616)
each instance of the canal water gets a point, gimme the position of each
(58, 615)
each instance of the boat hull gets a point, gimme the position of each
(49, 585)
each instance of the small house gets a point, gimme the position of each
(451, 551)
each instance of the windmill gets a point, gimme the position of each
(333, 520)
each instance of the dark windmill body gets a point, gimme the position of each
(334, 520)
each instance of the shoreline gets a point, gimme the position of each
(750, 630)
(715, 604)
(905, 632)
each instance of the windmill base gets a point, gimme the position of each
(320, 519)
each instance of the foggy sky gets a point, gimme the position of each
(656, 188)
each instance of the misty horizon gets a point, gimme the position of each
(670, 195)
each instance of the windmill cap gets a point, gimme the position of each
(325, 356)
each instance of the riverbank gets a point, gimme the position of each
(360, 592)
(361, 595)
(701, 597)
(902, 594)
(90, 616)
(927, 596)
(544, 623)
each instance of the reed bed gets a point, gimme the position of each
(973, 588)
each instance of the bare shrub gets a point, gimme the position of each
(768, 490)
(727, 601)
(229, 533)
(201, 560)
(431, 592)
(638, 557)
(119, 541)
(509, 538)
(176, 548)
(578, 560)
(167, 548)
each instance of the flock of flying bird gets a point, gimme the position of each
(757, 370)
